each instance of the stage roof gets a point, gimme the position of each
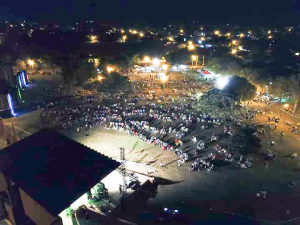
(53, 169)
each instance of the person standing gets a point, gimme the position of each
(266, 164)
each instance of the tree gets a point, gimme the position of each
(84, 71)
(134, 60)
(233, 67)
(115, 82)
(241, 88)
(295, 89)
(69, 63)
(215, 64)
(243, 141)
(279, 87)
(178, 57)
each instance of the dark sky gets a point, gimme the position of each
(149, 10)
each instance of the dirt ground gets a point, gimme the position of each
(231, 189)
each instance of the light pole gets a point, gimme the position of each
(109, 69)
(194, 59)
(147, 60)
(284, 106)
(164, 79)
(31, 63)
(165, 67)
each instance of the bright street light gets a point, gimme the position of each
(202, 39)
(181, 31)
(30, 63)
(165, 67)
(222, 82)
(141, 34)
(110, 69)
(134, 32)
(100, 78)
(96, 62)
(124, 38)
(286, 106)
(156, 62)
(234, 42)
(191, 47)
(297, 53)
(147, 59)
(217, 32)
(233, 51)
(194, 57)
(171, 39)
(164, 78)
(94, 39)
(242, 35)
(190, 42)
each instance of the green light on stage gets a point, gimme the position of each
(20, 83)
(20, 96)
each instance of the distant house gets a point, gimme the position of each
(42, 175)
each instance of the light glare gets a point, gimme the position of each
(222, 82)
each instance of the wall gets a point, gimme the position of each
(34, 211)
(58, 221)
(3, 184)
(10, 213)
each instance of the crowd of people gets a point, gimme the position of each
(172, 127)
(190, 129)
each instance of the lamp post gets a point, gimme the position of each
(164, 79)
(191, 47)
(109, 69)
(31, 63)
(100, 78)
(147, 60)
(234, 51)
(194, 59)
(165, 67)
(284, 106)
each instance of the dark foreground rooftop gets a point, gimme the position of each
(53, 169)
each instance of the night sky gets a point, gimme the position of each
(151, 10)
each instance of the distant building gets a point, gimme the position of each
(11, 87)
(7, 78)
(42, 175)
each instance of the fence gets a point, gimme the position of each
(11, 133)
